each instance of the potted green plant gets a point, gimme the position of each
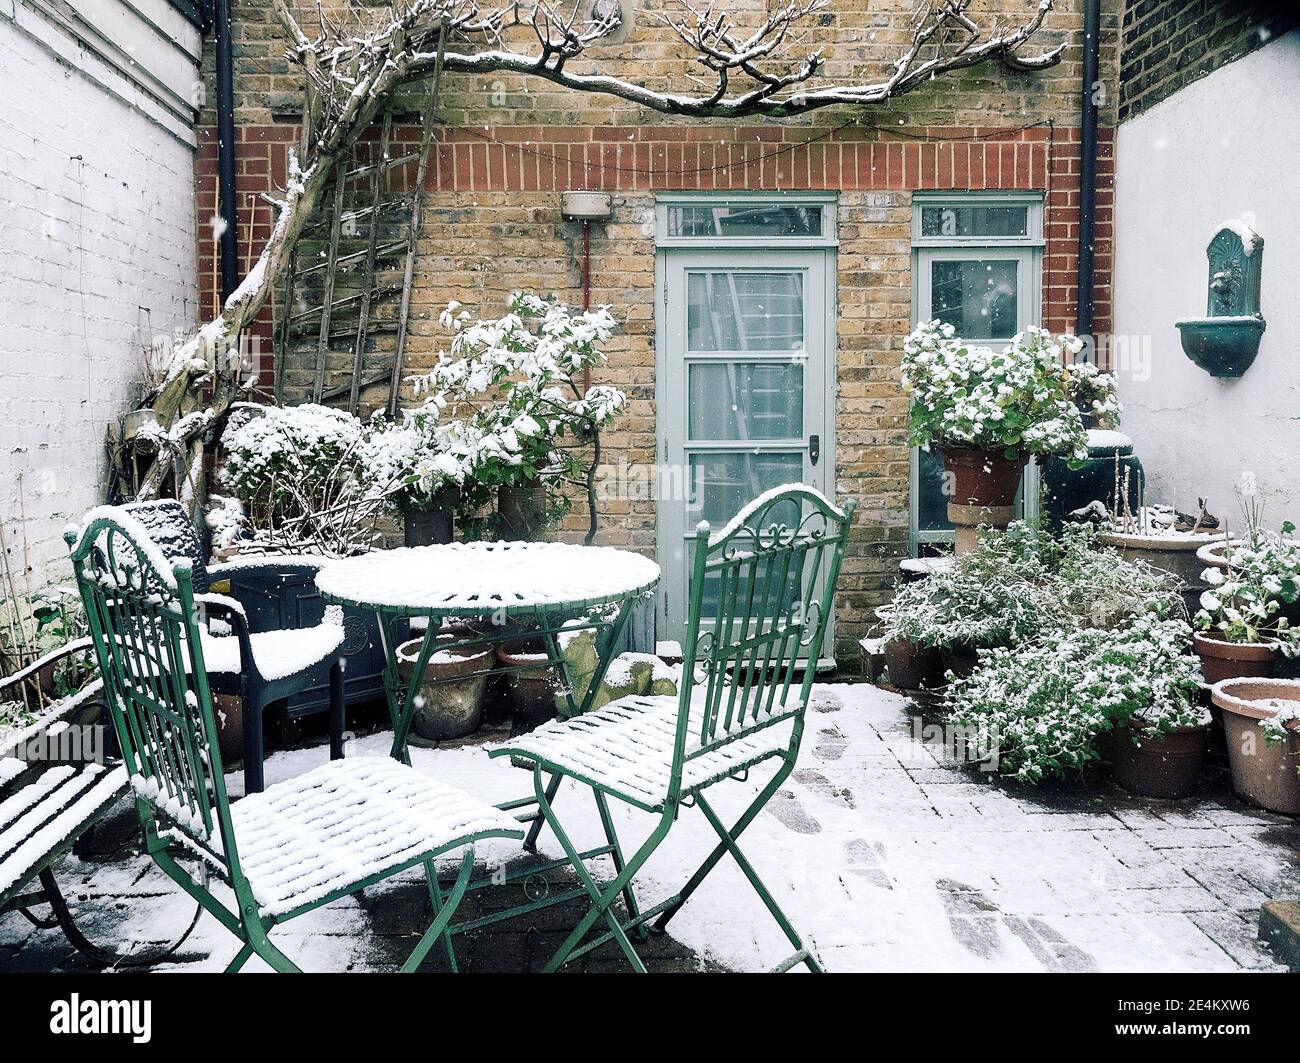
(1262, 720)
(522, 414)
(988, 411)
(1246, 621)
(420, 465)
(1094, 394)
(1043, 706)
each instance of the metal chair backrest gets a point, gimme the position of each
(144, 625)
(761, 594)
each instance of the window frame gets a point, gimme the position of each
(1027, 252)
(825, 200)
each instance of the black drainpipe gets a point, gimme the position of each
(1088, 168)
(228, 205)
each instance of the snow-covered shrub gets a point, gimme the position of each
(411, 460)
(1014, 401)
(513, 388)
(1042, 705)
(1094, 393)
(299, 473)
(1023, 581)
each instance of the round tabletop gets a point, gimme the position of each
(474, 579)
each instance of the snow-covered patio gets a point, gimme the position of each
(883, 855)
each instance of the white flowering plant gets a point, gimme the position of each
(513, 388)
(1014, 401)
(1094, 393)
(1043, 706)
(412, 461)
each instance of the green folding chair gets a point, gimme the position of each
(297, 845)
(760, 599)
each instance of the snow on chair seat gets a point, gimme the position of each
(278, 654)
(323, 833)
(627, 747)
(41, 820)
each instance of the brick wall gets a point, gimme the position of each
(1167, 44)
(96, 258)
(493, 226)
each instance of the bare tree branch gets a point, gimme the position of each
(352, 70)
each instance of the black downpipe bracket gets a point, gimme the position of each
(1088, 170)
(227, 203)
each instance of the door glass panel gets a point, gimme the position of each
(722, 483)
(745, 400)
(742, 219)
(944, 219)
(767, 602)
(977, 297)
(743, 311)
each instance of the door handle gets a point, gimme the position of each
(814, 448)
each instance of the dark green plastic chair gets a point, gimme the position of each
(760, 597)
(300, 843)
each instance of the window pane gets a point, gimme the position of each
(733, 311)
(948, 219)
(931, 502)
(721, 484)
(746, 400)
(975, 297)
(744, 219)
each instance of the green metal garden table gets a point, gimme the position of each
(498, 591)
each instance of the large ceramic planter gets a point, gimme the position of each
(1159, 763)
(1234, 660)
(1265, 773)
(913, 666)
(451, 694)
(1175, 554)
(433, 526)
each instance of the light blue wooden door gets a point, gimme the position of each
(744, 380)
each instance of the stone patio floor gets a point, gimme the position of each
(883, 854)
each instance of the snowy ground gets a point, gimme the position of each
(885, 858)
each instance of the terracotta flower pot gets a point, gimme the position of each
(913, 666)
(961, 660)
(1234, 660)
(451, 693)
(1265, 773)
(1159, 763)
(982, 478)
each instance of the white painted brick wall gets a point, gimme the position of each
(97, 255)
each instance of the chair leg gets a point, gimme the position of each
(436, 900)
(703, 870)
(602, 900)
(802, 953)
(241, 958)
(438, 928)
(530, 840)
(616, 855)
(254, 780)
(338, 711)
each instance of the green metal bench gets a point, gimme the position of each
(760, 598)
(298, 844)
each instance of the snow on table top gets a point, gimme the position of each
(480, 578)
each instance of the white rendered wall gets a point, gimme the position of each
(97, 250)
(1227, 146)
